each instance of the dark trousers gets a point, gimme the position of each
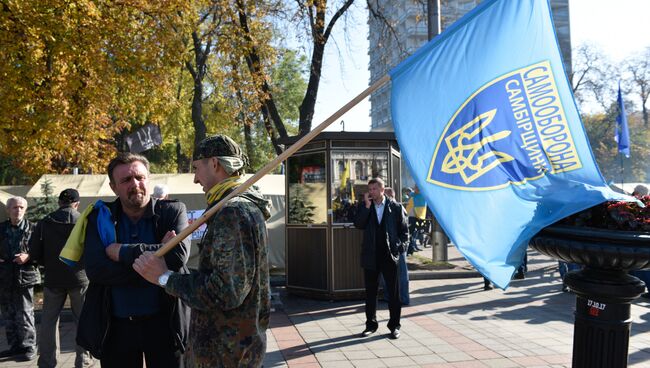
(388, 269)
(17, 305)
(130, 340)
(48, 338)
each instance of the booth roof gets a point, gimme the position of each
(98, 185)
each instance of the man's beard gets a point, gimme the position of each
(137, 198)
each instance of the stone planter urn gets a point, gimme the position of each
(603, 288)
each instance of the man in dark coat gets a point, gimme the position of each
(385, 236)
(124, 317)
(18, 275)
(61, 281)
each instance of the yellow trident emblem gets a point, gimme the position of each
(463, 157)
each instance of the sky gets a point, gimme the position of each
(619, 28)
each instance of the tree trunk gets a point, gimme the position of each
(644, 99)
(198, 71)
(309, 102)
(249, 145)
(269, 109)
(200, 130)
(320, 35)
(182, 161)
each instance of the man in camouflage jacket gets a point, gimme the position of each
(229, 293)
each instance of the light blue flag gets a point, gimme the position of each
(622, 133)
(485, 118)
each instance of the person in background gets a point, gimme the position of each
(61, 281)
(565, 268)
(487, 285)
(639, 192)
(160, 191)
(18, 275)
(403, 268)
(416, 208)
(522, 269)
(230, 292)
(385, 235)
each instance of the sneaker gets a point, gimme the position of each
(565, 289)
(394, 334)
(368, 331)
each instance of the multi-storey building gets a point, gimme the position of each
(402, 29)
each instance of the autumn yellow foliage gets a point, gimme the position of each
(75, 73)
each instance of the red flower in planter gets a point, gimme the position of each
(626, 216)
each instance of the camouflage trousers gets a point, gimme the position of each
(17, 305)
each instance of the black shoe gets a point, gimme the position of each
(646, 295)
(368, 331)
(565, 289)
(10, 352)
(519, 275)
(487, 287)
(394, 334)
(26, 357)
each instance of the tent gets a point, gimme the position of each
(94, 187)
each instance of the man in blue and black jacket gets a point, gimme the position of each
(143, 319)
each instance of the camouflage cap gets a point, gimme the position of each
(217, 146)
(220, 146)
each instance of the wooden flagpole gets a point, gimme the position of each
(270, 166)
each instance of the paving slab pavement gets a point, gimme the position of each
(450, 323)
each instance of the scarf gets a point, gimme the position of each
(221, 189)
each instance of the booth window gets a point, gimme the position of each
(307, 197)
(348, 189)
(340, 170)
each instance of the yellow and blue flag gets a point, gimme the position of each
(73, 249)
(486, 120)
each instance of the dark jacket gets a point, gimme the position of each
(103, 273)
(48, 238)
(396, 227)
(24, 275)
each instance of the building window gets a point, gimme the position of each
(359, 171)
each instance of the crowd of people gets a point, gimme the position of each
(130, 306)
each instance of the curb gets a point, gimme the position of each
(446, 274)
